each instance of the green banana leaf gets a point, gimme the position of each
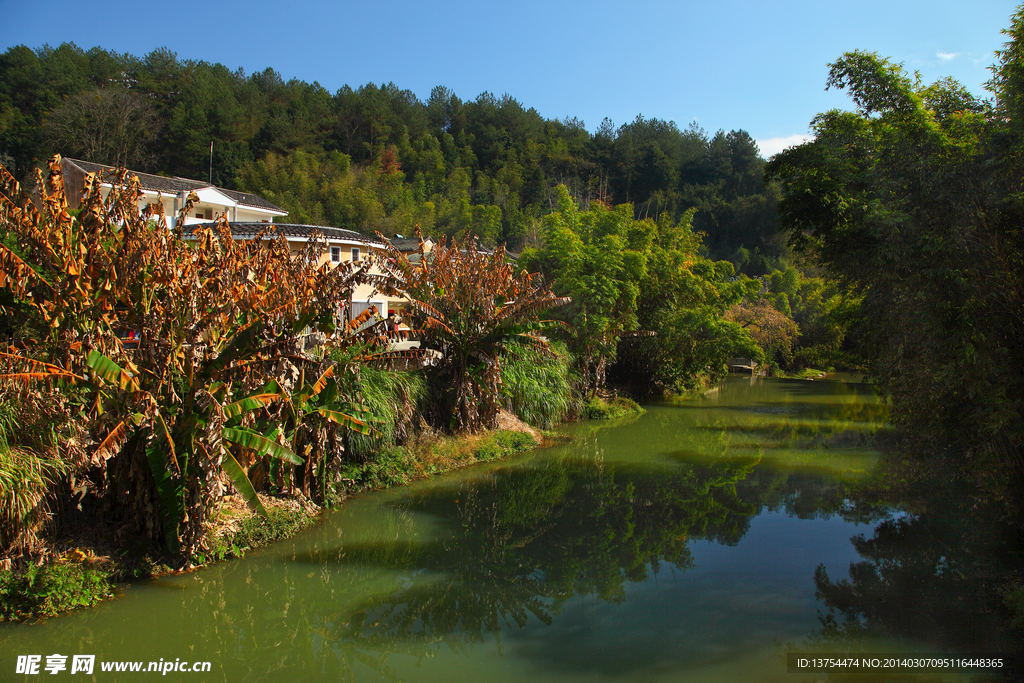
(249, 403)
(260, 444)
(111, 372)
(345, 420)
(242, 483)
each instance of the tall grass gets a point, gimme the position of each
(540, 388)
(26, 479)
(393, 398)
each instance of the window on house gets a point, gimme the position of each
(355, 254)
(335, 254)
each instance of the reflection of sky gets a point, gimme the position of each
(731, 607)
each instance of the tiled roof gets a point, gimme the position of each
(247, 229)
(172, 186)
(405, 243)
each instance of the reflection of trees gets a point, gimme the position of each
(806, 422)
(520, 544)
(781, 416)
(533, 538)
(794, 428)
(512, 545)
(933, 577)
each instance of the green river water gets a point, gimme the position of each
(695, 542)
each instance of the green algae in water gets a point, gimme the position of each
(688, 543)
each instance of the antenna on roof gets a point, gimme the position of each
(211, 162)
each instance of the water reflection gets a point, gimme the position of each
(932, 579)
(677, 545)
(788, 416)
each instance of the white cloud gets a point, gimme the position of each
(771, 146)
(946, 56)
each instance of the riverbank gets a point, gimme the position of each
(238, 529)
(86, 566)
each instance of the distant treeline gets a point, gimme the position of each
(377, 157)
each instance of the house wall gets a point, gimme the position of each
(363, 293)
(74, 184)
(367, 294)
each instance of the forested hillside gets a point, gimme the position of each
(377, 157)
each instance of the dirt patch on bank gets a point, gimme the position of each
(508, 421)
(234, 510)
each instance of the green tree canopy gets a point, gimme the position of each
(913, 200)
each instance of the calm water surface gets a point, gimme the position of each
(681, 545)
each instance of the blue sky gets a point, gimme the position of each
(759, 66)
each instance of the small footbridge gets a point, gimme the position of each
(747, 366)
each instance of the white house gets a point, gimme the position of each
(340, 246)
(248, 215)
(171, 193)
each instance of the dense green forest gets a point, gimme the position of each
(377, 157)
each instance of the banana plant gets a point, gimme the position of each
(219, 436)
(323, 407)
(467, 305)
(188, 406)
